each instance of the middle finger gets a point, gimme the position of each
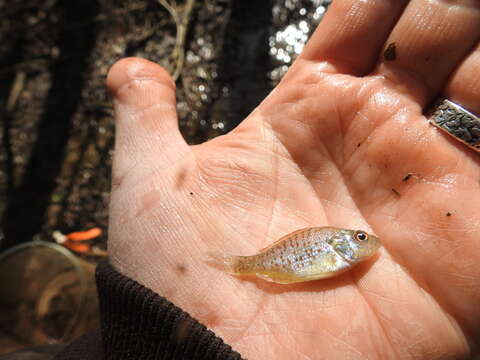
(431, 38)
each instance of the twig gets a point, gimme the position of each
(6, 117)
(173, 11)
(181, 27)
(17, 88)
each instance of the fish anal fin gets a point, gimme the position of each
(264, 277)
(274, 280)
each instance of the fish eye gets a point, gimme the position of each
(361, 236)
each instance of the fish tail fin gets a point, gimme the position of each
(222, 261)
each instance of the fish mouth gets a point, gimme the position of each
(370, 249)
(374, 246)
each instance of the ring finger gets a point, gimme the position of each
(464, 86)
(462, 89)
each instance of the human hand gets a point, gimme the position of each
(331, 146)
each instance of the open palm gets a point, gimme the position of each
(340, 142)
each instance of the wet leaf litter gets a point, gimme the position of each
(304, 255)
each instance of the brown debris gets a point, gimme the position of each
(390, 52)
(182, 269)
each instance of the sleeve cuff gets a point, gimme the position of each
(140, 324)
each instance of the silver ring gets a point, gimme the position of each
(457, 121)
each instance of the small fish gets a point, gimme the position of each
(304, 255)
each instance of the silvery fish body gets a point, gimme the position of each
(304, 255)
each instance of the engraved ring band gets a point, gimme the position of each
(457, 121)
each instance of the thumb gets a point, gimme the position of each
(147, 134)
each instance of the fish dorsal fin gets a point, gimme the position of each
(291, 235)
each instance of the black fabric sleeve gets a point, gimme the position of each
(140, 324)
